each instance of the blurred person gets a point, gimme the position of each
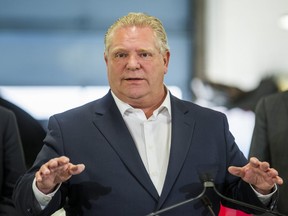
(270, 135)
(12, 164)
(139, 148)
(31, 131)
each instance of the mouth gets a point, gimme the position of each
(133, 79)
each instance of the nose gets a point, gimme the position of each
(133, 63)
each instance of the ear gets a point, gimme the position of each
(105, 58)
(166, 58)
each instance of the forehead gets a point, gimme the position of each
(133, 36)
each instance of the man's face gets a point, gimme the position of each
(135, 66)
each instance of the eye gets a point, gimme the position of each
(120, 55)
(145, 55)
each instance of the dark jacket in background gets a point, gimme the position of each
(270, 139)
(31, 131)
(12, 164)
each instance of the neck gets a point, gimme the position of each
(149, 106)
(149, 110)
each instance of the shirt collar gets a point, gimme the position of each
(123, 107)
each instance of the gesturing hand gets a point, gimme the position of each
(259, 174)
(54, 172)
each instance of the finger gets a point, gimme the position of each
(51, 164)
(272, 172)
(56, 162)
(38, 176)
(279, 180)
(76, 169)
(254, 162)
(63, 160)
(276, 178)
(55, 165)
(264, 166)
(44, 170)
(273, 177)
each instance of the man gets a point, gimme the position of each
(12, 164)
(138, 149)
(269, 140)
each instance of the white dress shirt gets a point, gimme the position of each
(152, 137)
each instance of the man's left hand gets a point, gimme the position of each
(258, 174)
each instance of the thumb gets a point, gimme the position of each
(76, 169)
(235, 171)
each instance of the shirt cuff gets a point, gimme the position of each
(265, 199)
(43, 199)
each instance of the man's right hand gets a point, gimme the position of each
(54, 172)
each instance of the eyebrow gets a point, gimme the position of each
(125, 50)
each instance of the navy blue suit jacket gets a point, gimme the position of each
(115, 181)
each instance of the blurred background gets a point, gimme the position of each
(51, 53)
(225, 54)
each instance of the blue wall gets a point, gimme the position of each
(61, 42)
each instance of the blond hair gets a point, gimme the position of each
(139, 20)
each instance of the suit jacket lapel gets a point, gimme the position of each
(182, 130)
(111, 124)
